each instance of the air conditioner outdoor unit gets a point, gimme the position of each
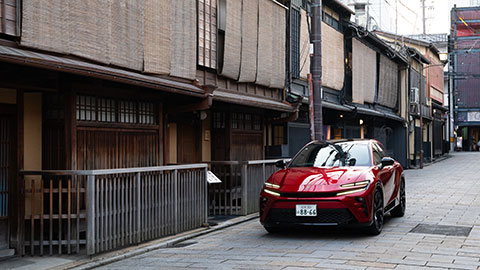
(414, 95)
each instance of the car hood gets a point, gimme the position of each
(313, 179)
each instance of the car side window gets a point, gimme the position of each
(377, 159)
(380, 150)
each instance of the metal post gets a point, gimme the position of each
(91, 215)
(205, 219)
(316, 67)
(423, 18)
(139, 231)
(421, 122)
(451, 122)
(244, 189)
(175, 198)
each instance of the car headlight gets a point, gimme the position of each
(357, 187)
(271, 192)
(359, 184)
(270, 185)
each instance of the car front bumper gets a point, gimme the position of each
(352, 209)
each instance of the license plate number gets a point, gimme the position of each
(306, 210)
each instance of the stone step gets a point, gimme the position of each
(6, 253)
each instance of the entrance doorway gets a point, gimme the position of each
(7, 171)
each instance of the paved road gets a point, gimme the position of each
(445, 193)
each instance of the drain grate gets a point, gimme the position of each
(182, 244)
(442, 230)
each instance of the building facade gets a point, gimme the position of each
(101, 85)
(464, 52)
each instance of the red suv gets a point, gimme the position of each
(344, 182)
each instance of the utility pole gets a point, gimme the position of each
(316, 68)
(420, 106)
(423, 17)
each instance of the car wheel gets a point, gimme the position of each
(272, 230)
(399, 210)
(377, 223)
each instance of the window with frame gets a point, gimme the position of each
(207, 33)
(328, 19)
(218, 120)
(54, 108)
(110, 110)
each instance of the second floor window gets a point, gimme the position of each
(295, 36)
(207, 33)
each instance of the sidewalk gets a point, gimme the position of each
(82, 262)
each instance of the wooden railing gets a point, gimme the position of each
(239, 191)
(109, 209)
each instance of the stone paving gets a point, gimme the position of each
(444, 193)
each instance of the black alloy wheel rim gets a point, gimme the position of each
(403, 196)
(378, 217)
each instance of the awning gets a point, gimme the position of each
(243, 99)
(64, 64)
(385, 114)
(361, 110)
(334, 106)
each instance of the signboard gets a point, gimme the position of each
(212, 178)
(473, 116)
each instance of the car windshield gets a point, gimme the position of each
(333, 155)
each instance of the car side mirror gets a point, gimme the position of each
(280, 164)
(352, 161)
(387, 161)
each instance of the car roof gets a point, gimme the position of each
(362, 141)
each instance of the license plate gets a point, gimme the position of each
(306, 210)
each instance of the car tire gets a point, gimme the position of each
(378, 214)
(272, 230)
(399, 210)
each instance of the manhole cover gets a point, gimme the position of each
(442, 229)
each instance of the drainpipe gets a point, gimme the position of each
(316, 68)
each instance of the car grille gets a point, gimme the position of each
(309, 194)
(339, 216)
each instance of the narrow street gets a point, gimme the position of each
(445, 193)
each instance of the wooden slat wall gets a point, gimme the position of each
(8, 17)
(60, 226)
(110, 148)
(53, 147)
(238, 180)
(128, 208)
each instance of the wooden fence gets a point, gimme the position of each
(108, 209)
(240, 188)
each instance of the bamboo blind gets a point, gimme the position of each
(265, 42)
(364, 61)
(126, 33)
(157, 36)
(248, 68)
(304, 45)
(233, 40)
(278, 46)
(332, 58)
(183, 48)
(388, 82)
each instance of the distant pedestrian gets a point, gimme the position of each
(478, 145)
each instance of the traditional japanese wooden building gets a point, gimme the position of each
(90, 85)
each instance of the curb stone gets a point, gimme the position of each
(89, 264)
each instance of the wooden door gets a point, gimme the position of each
(7, 172)
(247, 146)
(188, 144)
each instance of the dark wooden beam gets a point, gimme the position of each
(70, 124)
(20, 184)
(205, 104)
